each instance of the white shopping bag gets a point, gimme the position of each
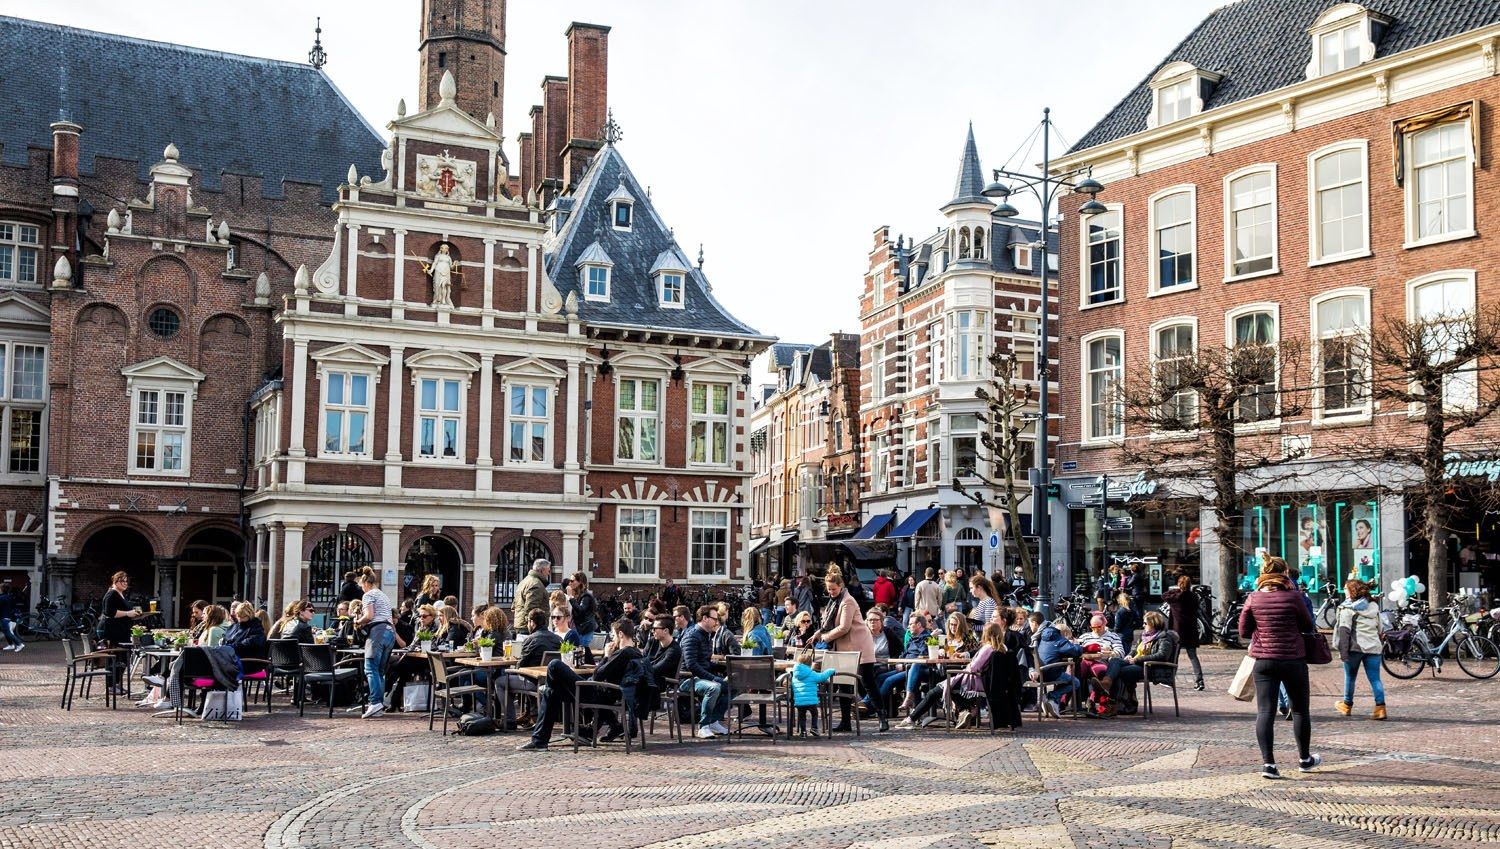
(224, 705)
(415, 697)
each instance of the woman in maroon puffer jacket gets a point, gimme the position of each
(1274, 620)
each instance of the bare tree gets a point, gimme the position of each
(1010, 404)
(1199, 412)
(1440, 368)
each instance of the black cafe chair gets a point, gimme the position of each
(319, 668)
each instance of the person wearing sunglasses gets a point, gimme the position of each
(663, 653)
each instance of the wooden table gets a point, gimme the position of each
(498, 663)
(539, 673)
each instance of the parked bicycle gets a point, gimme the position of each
(52, 621)
(1226, 626)
(1075, 609)
(1409, 648)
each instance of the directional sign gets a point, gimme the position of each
(994, 540)
(1119, 523)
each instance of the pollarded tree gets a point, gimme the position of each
(1005, 446)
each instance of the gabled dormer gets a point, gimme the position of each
(669, 273)
(594, 271)
(1179, 90)
(1344, 37)
(621, 208)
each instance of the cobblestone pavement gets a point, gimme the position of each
(93, 777)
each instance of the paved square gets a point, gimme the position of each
(93, 777)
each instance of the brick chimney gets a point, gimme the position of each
(466, 37)
(554, 135)
(588, 97)
(64, 235)
(528, 160)
(65, 153)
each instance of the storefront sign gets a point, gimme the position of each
(1121, 490)
(842, 522)
(1455, 466)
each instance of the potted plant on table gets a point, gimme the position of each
(934, 647)
(747, 647)
(137, 630)
(568, 650)
(778, 636)
(486, 648)
(424, 639)
(180, 641)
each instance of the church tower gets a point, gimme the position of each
(466, 37)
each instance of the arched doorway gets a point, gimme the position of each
(514, 559)
(210, 567)
(968, 550)
(110, 550)
(333, 556)
(433, 555)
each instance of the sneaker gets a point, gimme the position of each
(19, 647)
(8, 648)
(373, 711)
(813, 733)
(1270, 771)
(717, 728)
(1343, 707)
(963, 718)
(531, 746)
(1049, 708)
(1310, 764)
(906, 724)
(928, 720)
(704, 733)
(164, 704)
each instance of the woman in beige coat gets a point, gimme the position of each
(844, 630)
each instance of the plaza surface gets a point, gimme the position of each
(93, 777)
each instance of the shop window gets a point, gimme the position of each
(968, 550)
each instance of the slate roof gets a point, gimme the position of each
(820, 362)
(782, 353)
(633, 298)
(263, 117)
(969, 187)
(1263, 45)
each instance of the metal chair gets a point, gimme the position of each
(752, 684)
(320, 667)
(845, 666)
(194, 675)
(84, 667)
(448, 689)
(602, 697)
(1043, 686)
(1159, 673)
(286, 662)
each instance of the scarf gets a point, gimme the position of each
(1146, 640)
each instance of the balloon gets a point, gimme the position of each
(1396, 584)
(1410, 585)
(1397, 597)
(1421, 587)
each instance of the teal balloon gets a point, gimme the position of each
(1411, 585)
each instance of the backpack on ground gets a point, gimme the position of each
(475, 725)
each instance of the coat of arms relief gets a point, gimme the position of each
(443, 176)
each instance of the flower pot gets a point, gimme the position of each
(778, 642)
(747, 652)
(934, 652)
(427, 645)
(570, 659)
(486, 653)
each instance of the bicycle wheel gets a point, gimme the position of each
(1478, 656)
(1406, 665)
(1329, 616)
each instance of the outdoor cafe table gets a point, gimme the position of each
(947, 665)
(490, 680)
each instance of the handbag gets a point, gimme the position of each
(1315, 648)
(224, 705)
(1242, 688)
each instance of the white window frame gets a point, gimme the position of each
(614, 213)
(349, 371)
(708, 418)
(1181, 100)
(1315, 253)
(9, 403)
(877, 370)
(588, 293)
(1320, 412)
(1085, 262)
(1023, 251)
(1274, 422)
(17, 249)
(1229, 229)
(880, 457)
(160, 390)
(1341, 19)
(956, 433)
(1190, 321)
(654, 524)
(638, 415)
(968, 347)
(528, 420)
(694, 546)
(662, 279)
(1086, 396)
(1154, 239)
(439, 414)
(1409, 181)
(1170, 78)
(1469, 278)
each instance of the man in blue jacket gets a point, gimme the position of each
(917, 676)
(710, 687)
(1054, 645)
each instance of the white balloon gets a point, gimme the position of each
(1397, 584)
(1399, 597)
(1421, 587)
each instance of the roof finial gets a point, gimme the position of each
(611, 130)
(317, 56)
(700, 256)
(447, 89)
(171, 153)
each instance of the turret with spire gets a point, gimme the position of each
(968, 213)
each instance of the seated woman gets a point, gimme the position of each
(247, 636)
(561, 620)
(493, 623)
(453, 631)
(965, 688)
(212, 633)
(958, 639)
(1157, 644)
(754, 630)
(801, 631)
(299, 627)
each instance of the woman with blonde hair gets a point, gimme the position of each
(212, 634)
(288, 614)
(754, 630)
(494, 624)
(432, 590)
(453, 630)
(966, 688)
(247, 636)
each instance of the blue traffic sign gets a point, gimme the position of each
(994, 540)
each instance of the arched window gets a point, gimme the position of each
(963, 243)
(331, 558)
(969, 551)
(979, 243)
(514, 559)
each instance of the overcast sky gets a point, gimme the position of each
(778, 133)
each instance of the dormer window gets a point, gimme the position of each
(1023, 257)
(594, 271)
(671, 290)
(670, 272)
(1179, 91)
(622, 215)
(621, 207)
(1344, 37)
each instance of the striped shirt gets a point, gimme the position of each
(378, 606)
(983, 611)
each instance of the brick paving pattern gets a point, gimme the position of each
(92, 777)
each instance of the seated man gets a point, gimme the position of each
(1055, 645)
(537, 643)
(562, 686)
(664, 655)
(705, 683)
(917, 676)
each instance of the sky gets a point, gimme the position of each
(779, 134)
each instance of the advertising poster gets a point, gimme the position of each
(1312, 542)
(1366, 543)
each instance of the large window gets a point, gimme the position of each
(636, 541)
(1442, 306)
(1173, 240)
(528, 423)
(333, 556)
(1339, 228)
(708, 425)
(1340, 321)
(1254, 363)
(877, 371)
(1104, 408)
(963, 433)
(20, 245)
(968, 338)
(439, 418)
(881, 457)
(1175, 351)
(159, 431)
(708, 543)
(1252, 223)
(1440, 185)
(346, 413)
(1104, 269)
(638, 412)
(23, 388)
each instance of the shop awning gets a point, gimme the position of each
(914, 523)
(773, 541)
(876, 524)
(861, 550)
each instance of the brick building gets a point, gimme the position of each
(1337, 174)
(805, 456)
(931, 312)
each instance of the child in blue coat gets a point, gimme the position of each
(805, 690)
